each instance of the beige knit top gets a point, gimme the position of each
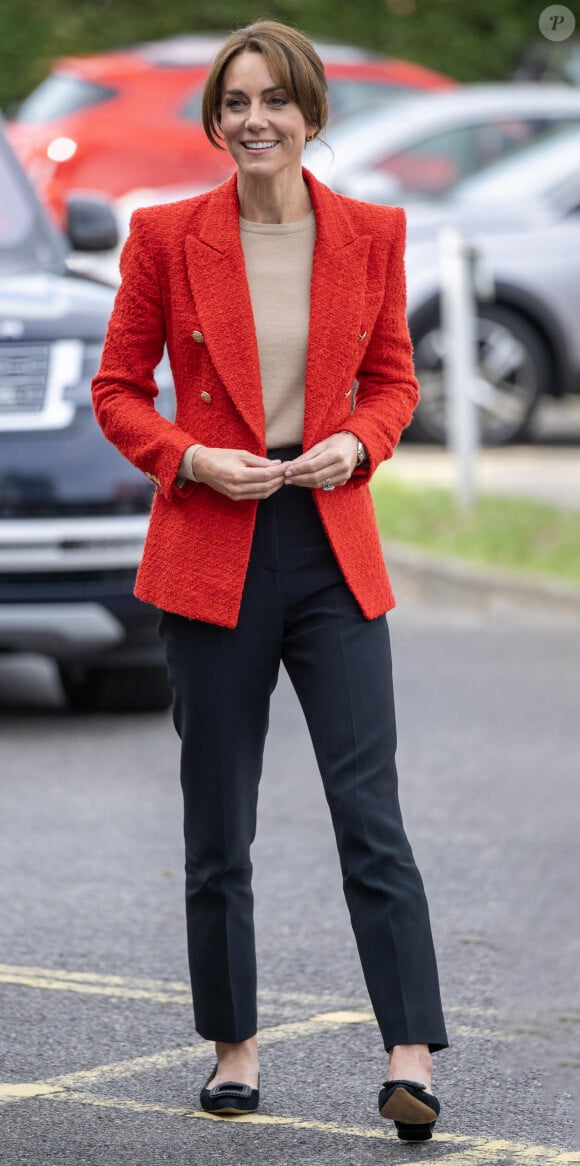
(278, 260)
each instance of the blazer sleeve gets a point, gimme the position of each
(388, 390)
(124, 389)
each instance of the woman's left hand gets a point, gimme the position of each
(329, 462)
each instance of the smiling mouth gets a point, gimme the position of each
(258, 147)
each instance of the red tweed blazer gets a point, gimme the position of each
(184, 284)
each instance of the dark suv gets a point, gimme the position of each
(73, 512)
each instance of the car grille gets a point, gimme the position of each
(23, 579)
(23, 377)
(33, 508)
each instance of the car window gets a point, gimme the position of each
(191, 111)
(565, 196)
(348, 95)
(27, 240)
(16, 215)
(434, 165)
(59, 96)
(547, 168)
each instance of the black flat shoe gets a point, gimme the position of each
(229, 1097)
(413, 1110)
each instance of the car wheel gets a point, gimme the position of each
(122, 690)
(513, 372)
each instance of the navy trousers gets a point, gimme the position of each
(297, 609)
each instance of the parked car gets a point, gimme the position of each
(523, 216)
(122, 120)
(73, 512)
(432, 143)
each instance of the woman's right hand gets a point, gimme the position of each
(238, 474)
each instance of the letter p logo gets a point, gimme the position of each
(557, 22)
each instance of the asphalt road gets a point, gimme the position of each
(100, 1063)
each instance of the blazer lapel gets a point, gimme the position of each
(217, 276)
(339, 282)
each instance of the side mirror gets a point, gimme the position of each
(90, 223)
(370, 186)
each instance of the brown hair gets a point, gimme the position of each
(293, 63)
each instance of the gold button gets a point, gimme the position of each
(198, 337)
(206, 397)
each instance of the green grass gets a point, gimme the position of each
(507, 532)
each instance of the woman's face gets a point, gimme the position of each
(263, 129)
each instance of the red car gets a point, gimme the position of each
(129, 119)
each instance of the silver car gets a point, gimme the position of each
(423, 146)
(523, 215)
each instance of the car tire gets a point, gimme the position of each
(514, 369)
(116, 690)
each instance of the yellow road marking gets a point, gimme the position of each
(475, 1151)
(68, 1087)
(87, 989)
(166, 991)
(289, 1030)
(472, 1030)
(117, 991)
(24, 1090)
(93, 977)
(53, 977)
(134, 988)
(285, 1005)
(165, 1060)
(293, 1030)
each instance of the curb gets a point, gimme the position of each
(436, 578)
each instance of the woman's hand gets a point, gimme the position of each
(238, 474)
(333, 459)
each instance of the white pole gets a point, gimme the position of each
(459, 357)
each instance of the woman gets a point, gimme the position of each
(273, 294)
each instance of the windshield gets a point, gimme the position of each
(538, 168)
(59, 96)
(349, 96)
(27, 240)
